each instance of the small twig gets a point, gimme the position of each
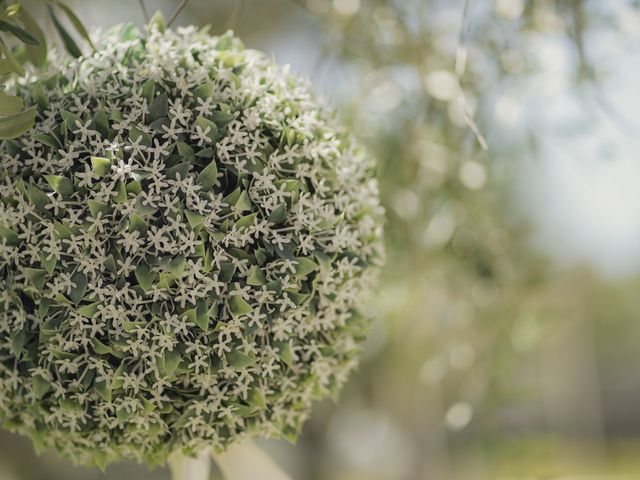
(236, 14)
(175, 15)
(145, 12)
(301, 3)
(460, 67)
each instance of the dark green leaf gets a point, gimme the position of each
(77, 292)
(209, 127)
(239, 306)
(37, 197)
(279, 214)
(145, 276)
(36, 276)
(9, 235)
(159, 108)
(40, 386)
(48, 262)
(207, 178)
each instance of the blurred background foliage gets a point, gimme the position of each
(505, 335)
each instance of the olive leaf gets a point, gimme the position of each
(75, 21)
(18, 32)
(69, 43)
(10, 105)
(13, 126)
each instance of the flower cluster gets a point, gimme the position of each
(185, 238)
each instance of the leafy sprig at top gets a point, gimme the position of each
(186, 236)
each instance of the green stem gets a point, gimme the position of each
(248, 462)
(187, 468)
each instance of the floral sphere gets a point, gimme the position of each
(185, 238)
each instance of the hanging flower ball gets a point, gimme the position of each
(185, 238)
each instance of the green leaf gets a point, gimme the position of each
(69, 43)
(9, 235)
(202, 315)
(10, 105)
(170, 361)
(117, 380)
(48, 262)
(101, 165)
(222, 119)
(176, 266)
(101, 121)
(36, 276)
(158, 21)
(244, 202)
(279, 214)
(37, 54)
(240, 360)
(101, 348)
(9, 63)
(18, 32)
(159, 108)
(77, 292)
(285, 353)
(88, 311)
(40, 386)
(195, 220)
(138, 224)
(145, 276)
(60, 184)
(145, 138)
(47, 140)
(185, 151)
(96, 207)
(148, 90)
(100, 457)
(15, 125)
(37, 197)
(246, 221)
(257, 399)
(208, 126)
(62, 230)
(205, 90)
(207, 178)
(104, 390)
(257, 277)
(18, 340)
(75, 21)
(6, 67)
(305, 266)
(120, 195)
(239, 306)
